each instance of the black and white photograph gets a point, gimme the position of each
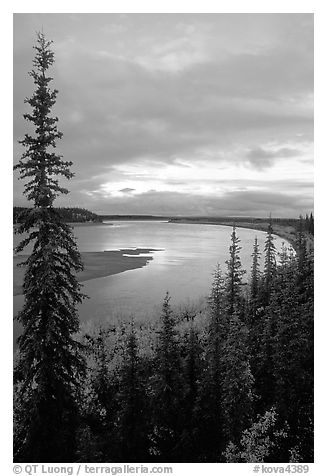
(163, 232)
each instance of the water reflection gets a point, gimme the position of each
(183, 266)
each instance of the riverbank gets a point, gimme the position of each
(97, 264)
(284, 231)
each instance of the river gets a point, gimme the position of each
(183, 265)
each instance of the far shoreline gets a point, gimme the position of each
(287, 233)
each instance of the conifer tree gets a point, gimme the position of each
(98, 440)
(284, 258)
(132, 417)
(270, 261)
(237, 382)
(218, 326)
(255, 270)
(301, 249)
(191, 370)
(260, 443)
(209, 401)
(311, 224)
(292, 303)
(255, 319)
(167, 387)
(49, 366)
(187, 446)
(234, 275)
(307, 222)
(264, 330)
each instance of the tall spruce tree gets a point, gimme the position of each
(187, 446)
(255, 310)
(237, 381)
(270, 262)
(209, 419)
(218, 327)
(255, 270)
(49, 367)
(234, 275)
(132, 401)
(292, 303)
(167, 388)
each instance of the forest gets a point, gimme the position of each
(67, 214)
(230, 380)
(226, 380)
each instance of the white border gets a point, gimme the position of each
(168, 6)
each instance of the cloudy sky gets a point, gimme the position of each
(178, 114)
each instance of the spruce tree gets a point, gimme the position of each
(307, 223)
(234, 275)
(255, 310)
(260, 443)
(292, 303)
(218, 327)
(187, 447)
(167, 388)
(270, 262)
(301, 249)
(311, 224)
(255, 270)
(97, 438)
(132, 403)
(237, 382)
(49, 367)
(209, 400)
(192, 364)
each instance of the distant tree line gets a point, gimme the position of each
(67, 214)
(285, 226)
(236, 220)
(132, 217)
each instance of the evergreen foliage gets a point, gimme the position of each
(166, 387)
(234, 275)
(259, 443)
(232, 382)
(255, 271)
(187, 445)
(270, 262)
(210, 394)
(133, 427)
(309, 224)
(218, 327)
(71, 214)
(208, 409)
(49, 369)
(189, 388)
(237, 381)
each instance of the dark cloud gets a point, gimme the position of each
(242, 203)
(262, 158)
(127, 190)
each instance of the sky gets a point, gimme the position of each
(177, 114)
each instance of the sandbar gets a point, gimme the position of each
(97, 264)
